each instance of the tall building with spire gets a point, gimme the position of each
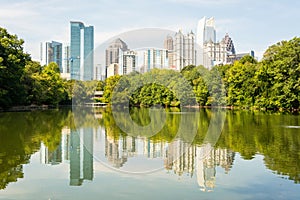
(229, 44)
(206, 33)
(81, 51)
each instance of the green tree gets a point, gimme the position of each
(110, 84)
(12, 63)
(32, 86)
(52, 85)
(279, 76)
(241, 85)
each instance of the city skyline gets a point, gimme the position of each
(28, 19)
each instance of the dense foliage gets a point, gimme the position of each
(26, 82)
(273, 83)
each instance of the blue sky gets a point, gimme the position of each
(253, 25)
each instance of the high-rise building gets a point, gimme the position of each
(214, 53)
(112, 53)
(51, 52)
(155, 58)
(127, 62)
(206, 32)
(229, 44)
(184, 50)
(66, 73)
(81, 51)
(112, 70)
(168, 44)
(67, 57)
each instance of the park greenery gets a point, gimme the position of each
(272, 83)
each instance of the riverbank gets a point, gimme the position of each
(26, 108)
(46, 107)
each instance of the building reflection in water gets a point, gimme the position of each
(117, 151)
(81, 156)
(76, 148)
(207, 160)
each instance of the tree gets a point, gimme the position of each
(241, 89)
(12, 63)
(110, 84)
(279, 76)
(52, 85)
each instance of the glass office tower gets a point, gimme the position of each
(81, 50)
(51, 52)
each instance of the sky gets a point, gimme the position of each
(253, 25)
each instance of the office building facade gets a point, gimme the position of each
(155, 58)
(51, 52)
(127, 62)
(112, 53)
(81, 51)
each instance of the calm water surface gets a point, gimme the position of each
(92, 154)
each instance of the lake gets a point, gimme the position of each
(86, 153)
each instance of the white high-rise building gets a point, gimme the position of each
(127, 62)
(214, 53)
(155, 58)
(66, 73)
(184, 50)
(112, 70)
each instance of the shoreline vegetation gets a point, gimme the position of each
(31, 108)
(270, 84)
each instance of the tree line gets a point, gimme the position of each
(272, 83)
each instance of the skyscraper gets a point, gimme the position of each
(206, 32)
(229, 44)
(127, 62)
(184, 50)
(155, 58)
(51, 52)
(81, 51)
(168, 44)
(112, 53)
(67, 57)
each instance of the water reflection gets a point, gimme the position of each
(62, 138)
(76, 148)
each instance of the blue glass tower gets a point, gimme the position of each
(81, 51)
